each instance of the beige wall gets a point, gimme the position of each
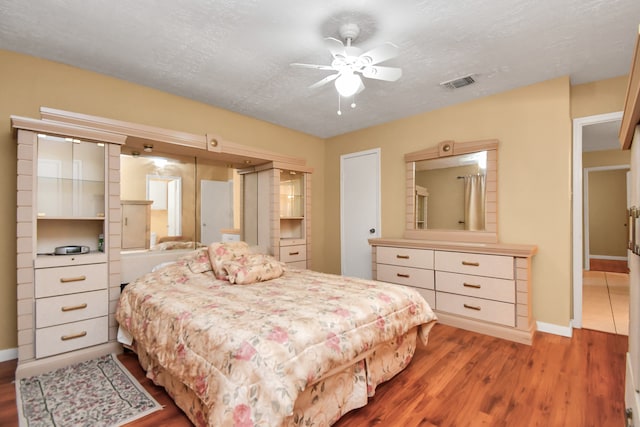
(607, 213)
(533, 125)
(534, 170)
(27, 83)
(603, 96)
(592, 159)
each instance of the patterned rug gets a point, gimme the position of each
(98, 392)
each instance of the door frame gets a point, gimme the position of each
(378, 226)
(577, 203)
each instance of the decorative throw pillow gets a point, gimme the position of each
(198, 261)
(220, 252)
(252, 268)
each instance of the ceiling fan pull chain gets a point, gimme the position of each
(339, 110)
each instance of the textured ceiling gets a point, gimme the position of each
(236, 54)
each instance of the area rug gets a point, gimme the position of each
(98, 392)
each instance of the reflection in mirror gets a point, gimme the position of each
(450, 192)
(173, 202)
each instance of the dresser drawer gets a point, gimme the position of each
(408, 257)
(71, 308)
(69, 280)
(476, 286)
(477, 308)
(428, 295)
(71, 336)
(416, 277)
(293, 253)
(476, 264)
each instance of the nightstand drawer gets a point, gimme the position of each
(293, 253)
(416, 277)
(409, 257)
(298, 264)
(71, 308)
(477, 308)
(476, 264)
(69, 280)
(477, 286)
(71, 336)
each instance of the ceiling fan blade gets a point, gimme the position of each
(390, 74)
(335, 46)
(324, 81)
(381, 53)
(314, 66)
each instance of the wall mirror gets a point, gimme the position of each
(452, 192)
(174, 202)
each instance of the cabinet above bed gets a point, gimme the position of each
(75, 200)
(280, 198)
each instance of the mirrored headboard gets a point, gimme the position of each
(452, 192)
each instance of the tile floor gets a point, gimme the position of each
(605, 302)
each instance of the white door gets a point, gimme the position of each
(359, 210)
(216, 209)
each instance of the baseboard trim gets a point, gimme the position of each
(495, 330)
(8, 354)
(550, 328)
(608, 257)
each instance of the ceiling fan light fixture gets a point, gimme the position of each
(347, 84)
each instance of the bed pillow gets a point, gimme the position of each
(198, 261)
(252, 268)
(220, 252)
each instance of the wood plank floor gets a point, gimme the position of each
(463, 379)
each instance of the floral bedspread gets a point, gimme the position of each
(248, 351)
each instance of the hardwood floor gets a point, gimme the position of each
(464, 379)
(613, 266)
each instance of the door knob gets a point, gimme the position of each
(372, 230)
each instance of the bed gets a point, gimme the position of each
(237, 339)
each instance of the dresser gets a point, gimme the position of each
(71, 305)
(480, 287)
(68, 240)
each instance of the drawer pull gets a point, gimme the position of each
(471, 264)
(74, 307)
(406, 276)
(471, 285)
(402, 256)
(72, 279)
(294, 253)
(471, 307)
(73, 336)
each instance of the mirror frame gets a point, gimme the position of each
(446, 149)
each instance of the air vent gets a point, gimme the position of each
(458, 83)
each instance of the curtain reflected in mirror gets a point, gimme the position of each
(451, 193)
(474, 198)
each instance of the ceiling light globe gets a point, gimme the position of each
(347, 84)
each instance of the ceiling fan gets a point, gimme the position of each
(350, 63)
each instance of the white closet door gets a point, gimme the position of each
(359, 210)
